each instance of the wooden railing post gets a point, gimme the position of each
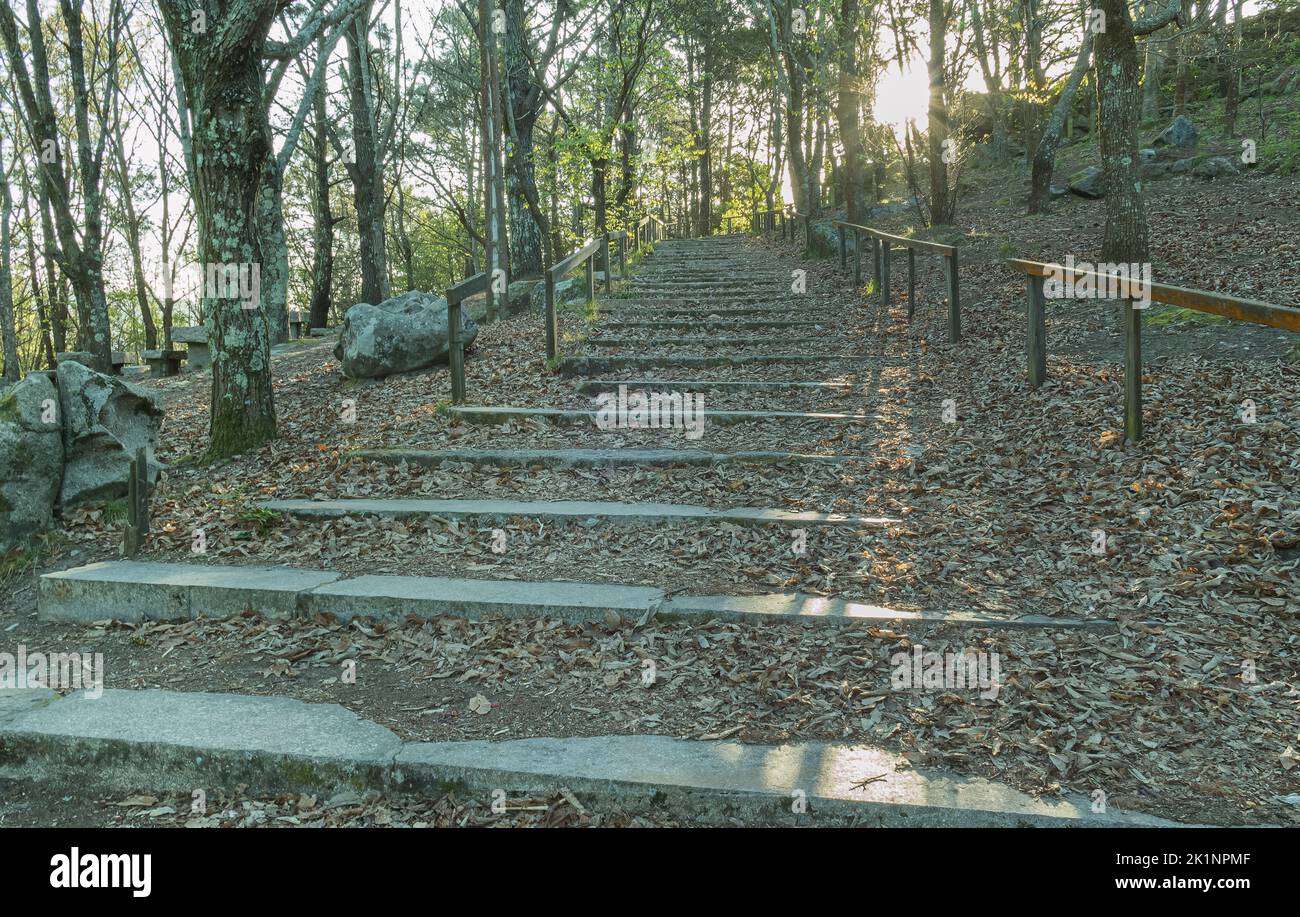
(954, 301)
(1036, 304)
(844, 249)
(604, 257)
(1132, 372)
(857, 259)
(591, 277)
(552, 322)
(137, 505)
(911, 282)
(622, 256)
(884, 275)
(455, 350)
(875, 262)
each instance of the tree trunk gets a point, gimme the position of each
(1119, 104)
(232, 144)
(528, 221)
(7, 335)
(322, 273)
(1045, 154)
(941, 204)
(366, 169)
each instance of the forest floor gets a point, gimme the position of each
(996, 512)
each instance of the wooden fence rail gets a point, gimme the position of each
(1233, 307)
(881, 243)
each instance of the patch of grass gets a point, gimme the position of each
(1172, 315)
(27, 556)
(115, 510)
(260, 518)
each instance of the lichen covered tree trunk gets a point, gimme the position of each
(222, 71)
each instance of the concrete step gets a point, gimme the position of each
(722, 324)
(694, 385)
(149, 591)
(136, 591)
(499, 415)
(174, 741)
(589, 458)
(625, 513)
(593, 365)
(705, 341)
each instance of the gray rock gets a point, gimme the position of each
(570, 289)
(1147, 154)
(105, 420)
(31, 457)
(398, 335)
(1152, 170)
(519, 296)
(83, 357)
(1215, 167)
(1088, 183)
(1182, 133)
(1183, 166)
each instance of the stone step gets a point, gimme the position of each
(396, 597)
(638, 309)
(591, 365)
(605, 511)
(499, 415)
(715, 324)
(704, 341)
(694, 385)
(134, 591)
(262, 745)
(588, 458)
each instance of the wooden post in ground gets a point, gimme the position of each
(1036, 305)
(911, 282)
(857, 259)
(137, 505)
(455, 350)
(552, 321)
(622, 256)
(604, 257)
(875, 262)
(591, 277)
(884, 275)
(954, 301)
(1132, 373)
(844, 249)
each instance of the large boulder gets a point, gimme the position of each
(1088, 183)
(1215, 167)
(31, 457)
(1182, 133)
(105, 420)
(398, 335)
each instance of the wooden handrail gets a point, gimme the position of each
(1234, 307)
(563, 268)
(902, 241)
(559, 271)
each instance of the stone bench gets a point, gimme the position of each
(119, 359)
(164, 363)
(195, 338)
(297, 324)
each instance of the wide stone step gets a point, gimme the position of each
(396, 597)
(592, 365)
(693, 385)
(500, 415)
(703, 341)
(639, 309)
(588, 458)
(626, 513)
(149, 591)
(720, 324)
(152, 591)
(262, 745)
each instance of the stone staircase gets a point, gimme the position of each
(693, 315)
